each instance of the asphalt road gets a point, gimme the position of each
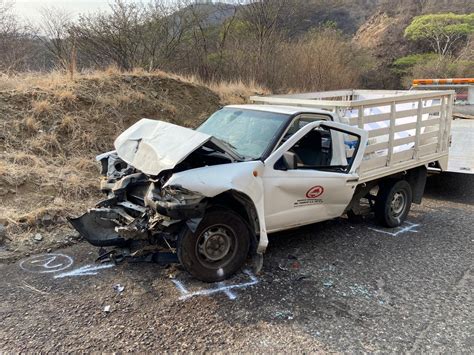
(328, 287)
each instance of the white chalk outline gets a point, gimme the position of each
(48, 259)
(221, 287)
(409, 228)
(84, 270)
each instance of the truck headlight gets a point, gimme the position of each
(174, 196)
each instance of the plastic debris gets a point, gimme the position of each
(284, 315)
(328, 283)
(358, 290)
(295, 265)
(107, 309)
(119, 288)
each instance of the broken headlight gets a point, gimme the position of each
(172, 196)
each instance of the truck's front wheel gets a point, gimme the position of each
(217, 249)
(393, 203)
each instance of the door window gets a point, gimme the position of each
(322, 148)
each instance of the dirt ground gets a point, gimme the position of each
(328, 287)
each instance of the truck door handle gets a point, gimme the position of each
(352, 180)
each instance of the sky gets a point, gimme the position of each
(29, 10)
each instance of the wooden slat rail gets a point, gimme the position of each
(380, 117)
(424, 131)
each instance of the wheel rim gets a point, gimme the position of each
(398, 203)
(216, 246)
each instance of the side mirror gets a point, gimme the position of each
(286, 162)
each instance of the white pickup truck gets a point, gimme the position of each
(212, 195)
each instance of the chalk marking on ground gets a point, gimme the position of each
(410, 228)
(84, 271)
(221, 287)
(29, 287)
(46, 263)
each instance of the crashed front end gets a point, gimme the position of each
(140, 213)
(137, 208)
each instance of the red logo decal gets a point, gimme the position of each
(315, 192)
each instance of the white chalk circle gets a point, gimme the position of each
(45, 263)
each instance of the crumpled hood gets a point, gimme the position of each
(153, 146)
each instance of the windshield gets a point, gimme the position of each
(248, 132)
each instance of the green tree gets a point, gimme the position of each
(441, 31)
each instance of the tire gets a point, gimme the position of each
(217, 249)
(393, 203)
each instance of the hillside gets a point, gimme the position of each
(52, 128)
(382, 33)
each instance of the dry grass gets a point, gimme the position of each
(31, 124)
(237, 91)
(68, 124)
(65, 95)
(41, 107)
(46, 143)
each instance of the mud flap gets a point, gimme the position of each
(98, 228)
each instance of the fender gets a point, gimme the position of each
(211, 181)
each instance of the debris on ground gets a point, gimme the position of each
(284, 315)
(38, 237)
(328, 283)
(119, 288)
(107, 309)
(358, 290)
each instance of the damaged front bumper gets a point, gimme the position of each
(137, 211)
(98, 227)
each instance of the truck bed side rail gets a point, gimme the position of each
(406, 128)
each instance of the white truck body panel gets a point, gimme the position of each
(461, 152)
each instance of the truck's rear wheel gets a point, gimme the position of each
(217, 249)
(393, 203)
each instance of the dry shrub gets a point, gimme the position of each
(30, 124)
(123, 98)
(66, 96)
(67, 125)
(13, 175)
(25, 159)
(321, 60)
(169, 107)
(46, 143)
(111, 70)
(107, 100)
(34, 217)
(41, 107)
(137, 96)
(237, 91)
(27, 81)
(85, 164)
